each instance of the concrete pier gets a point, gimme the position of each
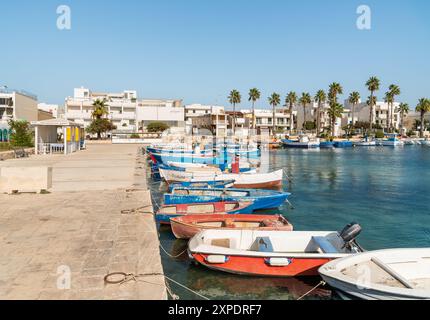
(96, 220)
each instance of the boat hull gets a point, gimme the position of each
(259, 203)
(183, 229)
(258, 266)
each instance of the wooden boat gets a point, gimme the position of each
(269, 253)
(262, 199)
(166, 212)
(204, 184)
(395, 274)
(188, 226)
(242, 180)
(176, 150)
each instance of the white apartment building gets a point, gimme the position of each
(127, 113)
(264, 119)
(170, 112)
(197, 114)
(381, 113)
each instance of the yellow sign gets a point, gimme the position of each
(77, 134)
(68, 135)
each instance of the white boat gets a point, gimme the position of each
(269, 253)
(365, 143)
(395, 274)
(242, 180)
(392, 141)
(304, 142)
(185, 165)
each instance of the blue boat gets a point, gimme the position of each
(263, 199)
(189, 158)
(222, 184)
(327, 145)
(343, 144)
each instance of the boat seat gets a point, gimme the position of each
(325, 245)
(263, 244)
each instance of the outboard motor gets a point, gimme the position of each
(350, 233)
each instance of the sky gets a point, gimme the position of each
(199, 50)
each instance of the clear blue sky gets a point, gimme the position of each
(199, 50)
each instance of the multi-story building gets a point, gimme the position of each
(127, 113)
(121, 107)
(16, 105)
(54, 109)
(205, 116)
(381, 113)
(264, 119)
(170, 112)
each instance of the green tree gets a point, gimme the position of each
(290, 101)
(371, 102)
(157, 126)
(305, 99)
(234, 98)
(334, 90)
(354, 99)
(21, 134)
(274, 101)
(100, 109)
(100, 126)
(334, 111)
(254, 95)
(404, 110)
(372, 85)
(423, 107)
(394, 91)
(321, 99)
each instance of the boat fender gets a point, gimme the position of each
(278, 262)
(216, 259)
(350, 232)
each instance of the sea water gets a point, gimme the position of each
(386, 190)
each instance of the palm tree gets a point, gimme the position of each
(334, 90)
(334, 111)
(305, 99)
(274, 101)
(100, 109)
(371, 102)
(321, 98)
(291, 100)
(423, 107)
(373, 85)
(394, 91)
(404, 110)
(389, 99)
(354, 99)
(234, 98)
(254, 95)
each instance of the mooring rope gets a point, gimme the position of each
(322, 283)
(127, 277)
(171, 256)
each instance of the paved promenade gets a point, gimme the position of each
(97, 219)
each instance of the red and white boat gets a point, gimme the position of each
(186, 227)
(272, 253)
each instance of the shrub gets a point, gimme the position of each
(134, 136)
(379, 134)
(157, 127)
(21, 134)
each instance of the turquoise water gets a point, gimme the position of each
(386, 190)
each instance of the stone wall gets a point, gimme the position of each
(5, 155)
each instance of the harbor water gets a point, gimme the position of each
(384, 189)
